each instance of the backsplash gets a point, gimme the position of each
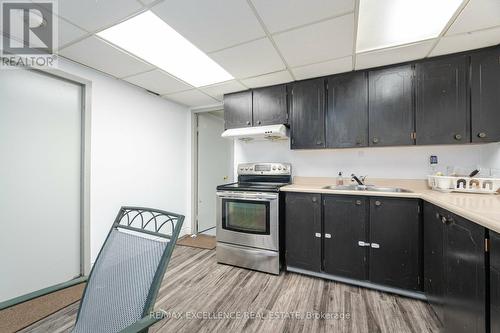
(381, 162)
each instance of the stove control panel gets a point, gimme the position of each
(267, 168)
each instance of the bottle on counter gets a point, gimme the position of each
(340, 179)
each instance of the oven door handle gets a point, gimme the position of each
(256, 196)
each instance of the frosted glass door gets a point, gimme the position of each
(40, 177)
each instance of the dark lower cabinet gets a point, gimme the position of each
(347, 112)
(433, 259)
(303, 231)
(308, 114)
(442, 111)
(390, 106)
(495, 281)
(456, 290)
(238, 110)
(464, 262)
(345, 226)
(395, 237)
(485, 95)
(269, 106)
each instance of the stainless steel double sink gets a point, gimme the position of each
(372, 188)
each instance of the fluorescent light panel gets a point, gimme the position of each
(386, 23)
(150, 38)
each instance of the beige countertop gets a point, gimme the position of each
(483, 209)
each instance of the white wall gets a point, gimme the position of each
(140, 152)
(382, 162)
(490, 156)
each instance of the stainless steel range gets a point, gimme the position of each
(248, 215)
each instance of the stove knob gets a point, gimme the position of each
(279, 168)
(274, 167)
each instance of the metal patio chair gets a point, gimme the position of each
(123, 285)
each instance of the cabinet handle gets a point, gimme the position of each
(317, 235)
(375, 246)
(458, 137)
(314, 199)
(258, 122)
(361, 243)
(482, 135)
(358, 202)
(248, 122)
(378, 203)
(328, 236)
(375, 140)
(319, 142)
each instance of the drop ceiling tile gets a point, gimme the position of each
(279, 15)
(218, 90)
(66, 31)
(92, 15)
(324, 68)
(211, 25)
(191, 98)
(158, 82)
(478, 14)
(393, 55)
(249, 59)
(467, 41)
(268, 79)
(318, 42)
(98, 54)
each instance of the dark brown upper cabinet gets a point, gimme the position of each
(308, 114)
(485, 95)
(238, 109)
(442, 112)
(269, 106)
(391, 107)
(347, 111)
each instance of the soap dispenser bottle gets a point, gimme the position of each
(340, 179)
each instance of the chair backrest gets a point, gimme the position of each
(126, 276)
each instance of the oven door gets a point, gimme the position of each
(248, 219)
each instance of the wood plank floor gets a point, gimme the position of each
(196, 287)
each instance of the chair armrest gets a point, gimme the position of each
(141, 325)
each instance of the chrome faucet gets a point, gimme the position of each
(360, 180)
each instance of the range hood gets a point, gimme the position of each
(271, 132)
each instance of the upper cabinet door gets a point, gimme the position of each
(308, 114)
(347, 112)
(442, 114)
(238, 109)
(269, 106)
(390, 106)
(485, 96)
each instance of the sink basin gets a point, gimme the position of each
(355, 187)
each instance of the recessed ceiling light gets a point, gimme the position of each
(150, 38)
(385, 23)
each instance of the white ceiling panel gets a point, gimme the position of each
(96, 53)
(468, 41)
(191, 98)
(268, 79)
(92, 15)
(211, 25)
(218, 90)
(279, 15)
(393, 55)
(159, 82)
(318, 42)
(324, 68)
(478, 14)
(249, 59)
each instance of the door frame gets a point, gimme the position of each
(195, 163)
(85, 165)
